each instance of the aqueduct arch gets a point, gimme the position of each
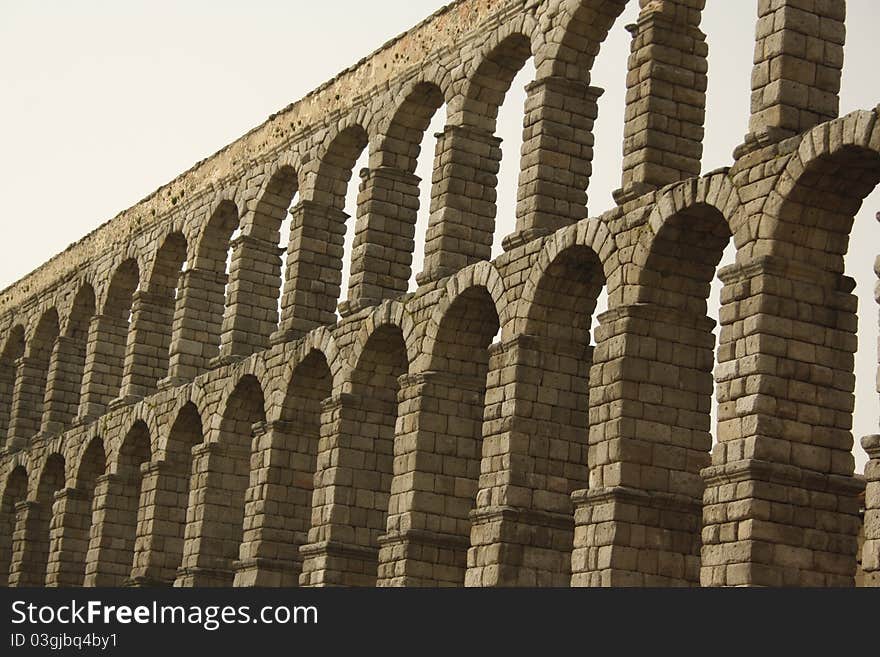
(174, 414)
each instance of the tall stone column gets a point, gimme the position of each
(30, 544)
(557, 157)
(7, 386)
(797, 72)
(871, 444)
(105, 355)
(665, 98)
(212, 529)
(278, 504)
(146, 357)
(114, 521)
(64, 385)
(195, 329)
(462, 222)
(436, 455)
(27, 401)
(254, 283)
(337, 553)
(388, 206)
(781, 503)
(158, 546)
(638, 524)
(314, 276)
(69, 537)
(871, 548)
(534, 455)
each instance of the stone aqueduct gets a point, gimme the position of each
(164, 425)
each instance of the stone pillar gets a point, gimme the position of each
(146, 357)
(158, 546)
(105, 355)
(314, 270)
(437, 457)
(462, 222)
(254, 284)
(534, 455)
(114, 524)
(7, 386)
(27, 401)
(638, 524)
(278, 504)
(665, 99)
(557, 157)
(337, 553)
(871, 525)
(69, 537)
(30, 544)
(798, 63)
(213, 528)
(195, 330)
(64, 385)
(871, 547)
(781, 505)
(388, 205)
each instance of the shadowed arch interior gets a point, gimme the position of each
(401, 145)
(489, 84)
(73, 526)
(355, 457)
(14, 491)
(29, 403)
(553, 358)
(388, 202)
(12, 351)
(111, 548)
(450, 428)
(31, 551)
(147, 352)
(216, 509)
(64, 397)
(278, 506)
(375, 385)
(817, 213)
(158, 546)
(582, 35)
(810, 233)
(255, 267)
(105, 356)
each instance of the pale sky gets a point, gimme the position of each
(106, 101)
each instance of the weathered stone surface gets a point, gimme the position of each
(177, 408)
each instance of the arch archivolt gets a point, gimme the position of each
(139, 413)
(435, 75)
(389, 313)
(22, 460)
(321, 341)
(481, 274)
(591, 233)
(252, 367)
(858, 130)
(67, 306)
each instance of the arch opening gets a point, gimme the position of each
(14, 491)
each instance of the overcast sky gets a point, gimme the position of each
(103, 102)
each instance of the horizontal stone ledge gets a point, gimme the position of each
(338, 549)
(781, 473)
(549, 519)
(145, 581)
(271, 565)
(425, 537)
(222, 576)
(655, 499)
